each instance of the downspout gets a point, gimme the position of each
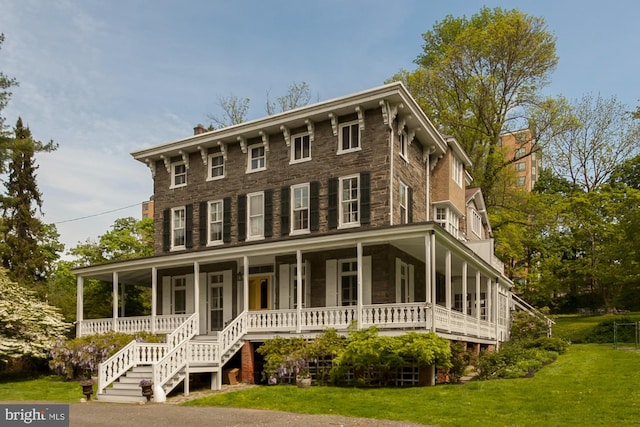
(79, 305)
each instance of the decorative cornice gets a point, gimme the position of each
(223, 149)
(286, 134)
(243, 144)
(203, 154)
(185, 158)
(167, 163)
(334, 123)
(311, 129)
(401, 124)
(389, 112)
(411, 135)
(152, 166)
(360, 112)
(426, 153)
(265, 140)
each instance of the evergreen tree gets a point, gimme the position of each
(29, 247)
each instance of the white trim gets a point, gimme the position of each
(251, 236)
(250, 159)
(351, 149)
(209, 222)
(292, 159)
(292, 212)
(173, 174)
(174, 247)
(341, 222)
(210, 158)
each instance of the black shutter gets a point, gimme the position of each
(242, 217)
(202, 223)
(268, 213)
(166, 230)
(365, 198)
(333, 203)
(285, 211)
(226, 220)
(189, 226)
(314, 206)
(409, 205)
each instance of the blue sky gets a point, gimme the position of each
(105, 78)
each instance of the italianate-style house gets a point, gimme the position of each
(353, 211)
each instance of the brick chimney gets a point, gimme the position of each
(199, 129)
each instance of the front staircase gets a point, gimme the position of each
(168, 364)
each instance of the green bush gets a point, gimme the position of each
(603, 332)
(461, 358)
(80, 357)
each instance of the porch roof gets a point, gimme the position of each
(408, 238)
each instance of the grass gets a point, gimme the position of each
(51, 389)
(590, 385)
(576, 328)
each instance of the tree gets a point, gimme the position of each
(234, 111)
(29, 247)
(628, 173)
(299, 95)
(477, 77)
(602, 138)
(28, 326)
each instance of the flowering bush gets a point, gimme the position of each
(80, 357)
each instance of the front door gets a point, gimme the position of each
(259, 292)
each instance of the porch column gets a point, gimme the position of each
(495, 310)
(79, 305)
(427, 269)
(196, 290)
(434, 295)
(489, 307)
(447, 286)
(115, 300)
(478, 295)
(299, 290)
(245, 283)
(465, 298)
(154, 298)
(359, 291)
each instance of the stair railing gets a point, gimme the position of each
(231, 335)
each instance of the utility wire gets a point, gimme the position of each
(94, 215)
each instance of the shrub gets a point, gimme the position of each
(461, 358)
(603, 332)
(81, 356)
(526, 326)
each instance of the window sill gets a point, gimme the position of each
(351, 150)
(216, 178)
(171, 187)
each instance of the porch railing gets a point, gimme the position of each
(164, 324)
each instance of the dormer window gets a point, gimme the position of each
(178, 174)
(349, 137)
(257, 158)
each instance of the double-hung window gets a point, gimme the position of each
(348, 271)
(216, 166)
(215, 223)
(255, 216)
(349, 137)
(457, 171)
(349, 201)
(300, 148)
(404, 203)
(257, 158)
(178, 174)
(476, 224)
(178, 228)
(403, 145)
(300, 208)
(179, 297)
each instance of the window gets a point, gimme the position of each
(348, 137)
(403, 145)
(404, 211)
(257, 158)
(215, 223)
(521, 181)
(300, 208)
(349, 201)
(178, 228)
(457, 171)
(476, 224)
(348, 271)
(520, 152)
(300, 148)
(521, 167)
(179, 295)
(448, 220)
(255, 215)
(178, 174)
(216, 166)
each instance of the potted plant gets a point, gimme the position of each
(147, 388)
(87, 388)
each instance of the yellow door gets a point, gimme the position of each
(260, 293)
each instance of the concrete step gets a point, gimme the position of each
(120, 399)
(123, 392)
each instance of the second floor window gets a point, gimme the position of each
(476, 224)
(349, 201)
(349, 137)
(404, 203)
(216, 166)
(300, 208)
(255, 215)
(178, 228)
(178, 174)
(457, 170)
(521, 167)
(300, 148)
(257, 159)
(215, 224)
(403, 146)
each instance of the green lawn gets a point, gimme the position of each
(576, 328)
(590, 385)
(46, 388)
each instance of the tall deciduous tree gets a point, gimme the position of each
(299, 95)
(477, 77)
(29, 247)
(233, 111)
